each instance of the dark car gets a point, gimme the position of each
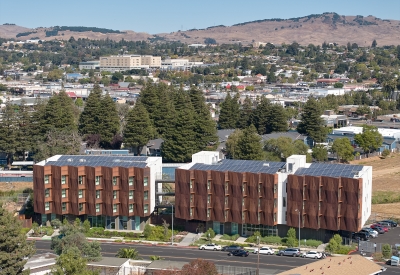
(378, 228)
(232, 248)
(360, 236)
(391, 222)
(385, 224)
(240, 253)
(294, 252)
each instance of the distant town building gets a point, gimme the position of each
(89, 65)
(128, 62)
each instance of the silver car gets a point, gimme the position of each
(294, 252)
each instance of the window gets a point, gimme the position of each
(208, 198)
(98, 194)
(97, 180)
(208, 213)
(115, 208)
(46, 206)
(226, 186)
(115, 194)
(191, 211)
(80, 194)
(131, 194)
(244, 187)
(284, 201)
(258, 216)
(275, 188)
(275, 202)
(226, 201)
(114, 180)
(130, 181)
(64, 206)
(46, 179)
(97, 207)
(259, 203)
(191, 184)
(63, 179)
(81, 207)
(226, 214)
(259, 189)
(191, 198)
(208, 184)
(274, 217)
(130, 208)
(145, 181)
(242, 202)
(146, 195)
(146, 208)
(80, 179)
(63, 193)
(47, 192)
(243, 216)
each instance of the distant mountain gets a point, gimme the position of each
(315, 28)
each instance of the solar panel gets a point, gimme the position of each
(101, 160)
(252, 166)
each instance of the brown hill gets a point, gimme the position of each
(316, 29)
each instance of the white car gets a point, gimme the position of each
(210, 246)
(264, 250)
(312, 255)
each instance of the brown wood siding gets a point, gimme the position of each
(107, 193)
(329, 203)
(124, 191)
(38, 187)
(56, 189)
(267, 198)
(146, 173)
(182, 194)
(294, 200)
(311, 203)
(90, 192)
(251, 201)
(200, 195)
(218, 196)
(349, 207)
(139, 188)
(73, 190)
(235, 197)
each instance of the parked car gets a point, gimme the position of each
(294, 252)
(381, 226)
(393, 223)
(240, 253)
(312, 255)
(371, 232)
(210, 246)
(231, 248)
(360, 236)
(377, 228)
(385, 224)
(264, 250)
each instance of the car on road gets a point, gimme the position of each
(210, 246)
(240, 253)
(231, 248)
(294, 252)
(371, 232)
(378, 228)
(264, 250)
(312, 255)
(392, 223)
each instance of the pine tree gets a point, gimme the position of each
(260, 116)
(24, 134)
(205, 127)
(138, 130)
(164, 119)
(229, 112)
(14, 249)
(89, 120)
(59, 113)
(249, 145)
(109, 121)
(150, 100)
(311, 122)
(8, 132)
(276, 119)
(245, 116)
(180, 141)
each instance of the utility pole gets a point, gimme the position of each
(258, 255)
(172, 215)
(297, 210)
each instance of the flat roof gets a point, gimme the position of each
(252, 166)
(109, 261)
(331, 170)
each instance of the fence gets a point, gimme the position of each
(235, 270)
(16, 179)
(370, 247)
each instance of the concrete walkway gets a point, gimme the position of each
(189, 239)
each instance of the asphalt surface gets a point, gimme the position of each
(274, 264)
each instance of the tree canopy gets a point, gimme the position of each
(245, 144)
(343, 148)
(311, 122)
(370, 139)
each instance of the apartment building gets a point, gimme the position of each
(89, 65)
(128, 62)
(115, 192)
(241, 196)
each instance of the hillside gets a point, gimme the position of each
(316, 28)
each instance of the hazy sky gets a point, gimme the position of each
(157, 16)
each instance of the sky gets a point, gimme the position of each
(159, 16)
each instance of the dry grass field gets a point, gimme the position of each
(17, 186)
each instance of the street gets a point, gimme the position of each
(274, 264)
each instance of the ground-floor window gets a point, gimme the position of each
(265, 230)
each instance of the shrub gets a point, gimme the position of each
(377, 257)
(147, 231)
(230, 238)
(344, 249)
(271, 240)
(86, 226)
(25, 230)
(311, 243)
(56, 223)
(386, 251)
(118, 241)
(210, 234)
(49, 231)
(385, 153)
(253, 238)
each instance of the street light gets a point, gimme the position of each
(258, 255)
(172, 215)
(297, 210)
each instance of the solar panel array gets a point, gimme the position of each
(330, 170)
(106, 161)
(252, 166)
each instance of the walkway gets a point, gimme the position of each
(189, 239)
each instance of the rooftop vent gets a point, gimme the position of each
(82, 160)
(69, 160)
(266, 164)
(117, 160)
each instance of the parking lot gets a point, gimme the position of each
(392, 237)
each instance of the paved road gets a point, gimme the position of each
(275, 264)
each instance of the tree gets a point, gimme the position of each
(54, 75)
(138, 129)
(338, 85)
(117, 77)
(8, 132)
(90, 117)
(71, 263)
(311, 122)
(246, 111)
(109, 121)
(291, 240)
(231, 144)
(79, 102)
(128, 253)
(210, 234)
(283, 147)
(276, 119)
(14, 249)
(385, 153)
(261, 115)
(150, 100)
(248, 146)
(334, 243)
(386, 251)
(210, 41)
(370, 139)
(199, 267)
(24, 132)
(374, 44)
(164, 118)
(320, 153)
(229, 112)
(343, 148)
(147, 230)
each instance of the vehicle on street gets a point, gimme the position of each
(385, 224)
(378, 228)
(312, 255)
(210, 246)
(231, 248)
(294, 252)
(372, 233)
(392, 223)
(240, 253)
(264, 250)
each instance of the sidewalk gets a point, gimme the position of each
(188, 240)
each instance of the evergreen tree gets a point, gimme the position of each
(229, 112)
(72, 263)
(231, 144)
(89, 120)
(14, 249)
(24, 134)
(8, 132)
(59, 113)
(245, 116)
(165, 115)
(180, 140)
(249, 145)
(150, 100)
(204, 126)
(261, 114)
(109, 121)
(276, 119)
(374, 44)
(139, 129)
(320, 153)
(311, 122)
